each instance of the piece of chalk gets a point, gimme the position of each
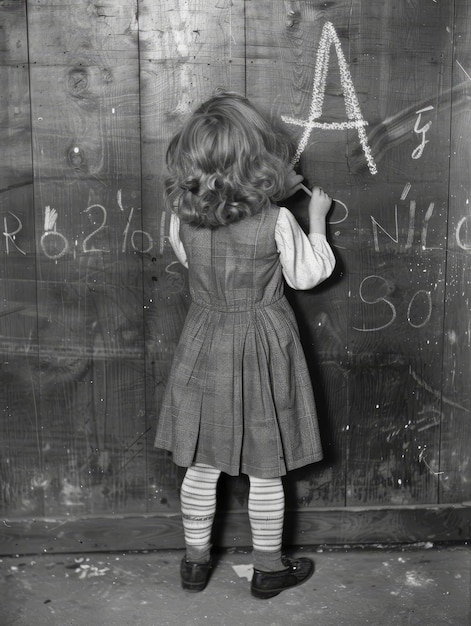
(308, 191)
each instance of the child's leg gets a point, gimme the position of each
(266, 515)
(198, 505)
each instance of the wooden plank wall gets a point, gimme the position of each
(92, 299)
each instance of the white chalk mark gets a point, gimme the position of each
(375, 301)
(355, 120)
(101, 226)
(405, 191)
(142, 234)
(459, 241)
(128, 225)
(427, 465)
(377, 225)
(427, 217)
(428, 297)
(410, 231)
(50, 218)
(425, 423)
(437, 394)
(119, 199)
(50, 231)
(463, 70)
(10, 236)
(429, 108)
(336, 201)
(60, 240)
(417, 152)
(422, 293)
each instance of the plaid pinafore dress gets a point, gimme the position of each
(239, 395)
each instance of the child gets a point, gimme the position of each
(239, 397)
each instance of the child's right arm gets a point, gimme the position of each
(306, 260)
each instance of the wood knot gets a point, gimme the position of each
(76, 158)
(107, 75)
(77, 81)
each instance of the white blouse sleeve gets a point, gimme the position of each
(306, 260)
(174, 236)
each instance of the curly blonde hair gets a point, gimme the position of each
(226, 163)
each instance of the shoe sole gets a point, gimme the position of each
(271, 593)
(265, 595)
(193, 587)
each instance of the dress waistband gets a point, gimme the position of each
(234, 308)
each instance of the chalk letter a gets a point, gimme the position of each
(354, 116)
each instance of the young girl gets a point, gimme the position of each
(239, 397)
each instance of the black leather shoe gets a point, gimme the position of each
(269, 584)
(194, 576)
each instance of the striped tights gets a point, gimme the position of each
(266, 514)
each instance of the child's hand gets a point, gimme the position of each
(319, 206)
(292, 182)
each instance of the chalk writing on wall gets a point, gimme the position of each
(417, 152)
(410, 229)
(376, 290)
(50, 219)
(424, 296)
(339, 221)
(355, 119)
(135, 234)
(54, 244)
(11, 231)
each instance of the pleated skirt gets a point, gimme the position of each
(239, 395)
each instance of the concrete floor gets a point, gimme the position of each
(422, 584)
